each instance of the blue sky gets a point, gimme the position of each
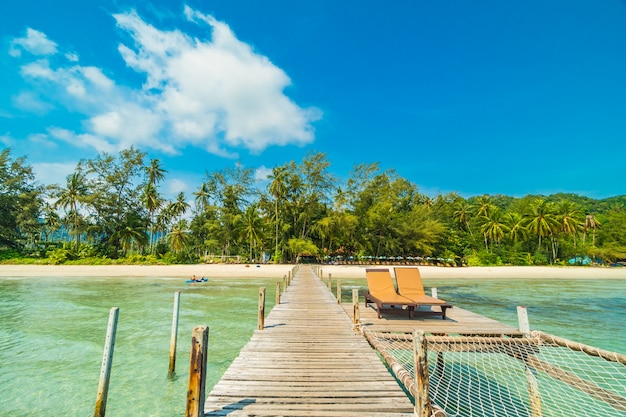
(475, 97)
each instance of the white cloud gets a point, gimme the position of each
(40, 139)
(7, 140)
(71, 56)
(35, 42)
(219, 90)
(217, 94)
(83, 140)
(262, 173)
(38, 69)
(31, 102)
(53, 173)
(175, 186)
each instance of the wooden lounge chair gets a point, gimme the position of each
(382, 292)
(410, 286)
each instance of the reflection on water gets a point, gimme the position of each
(52, 332)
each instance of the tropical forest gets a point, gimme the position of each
(111, 209)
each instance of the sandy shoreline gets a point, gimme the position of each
(278, 271)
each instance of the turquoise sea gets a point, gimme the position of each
(52, 332)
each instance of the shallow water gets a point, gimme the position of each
(52, 332)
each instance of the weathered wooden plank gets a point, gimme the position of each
(307, 361)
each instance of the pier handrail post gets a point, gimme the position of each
(172, 367)
(197, 372)
(284, 283)
(277, 292)
(338, 291)
(423, 407)
(355, 308)
(330, 282)
(531, 381)
(522, 320)
(261, 325)
(107, 361)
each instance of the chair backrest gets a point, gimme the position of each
(379, 282)
(409, 281)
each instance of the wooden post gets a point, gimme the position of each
(172, 368)
(261, 308)
(338, 291)
(533, 386)
(423, 407)
(330, 283)
(197, 372)
(107, 361)
(321, 273)
(284, 283)
(522, 320)
(277, 292)
(355, 307)
(433, 292)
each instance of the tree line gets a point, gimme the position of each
(111, 209)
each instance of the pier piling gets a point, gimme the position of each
(172, 365)
(107, 361)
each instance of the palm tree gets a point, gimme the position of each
(278, 189)
(179, 237)
(151, 198)
(155, 172)
(515, 224)
(568, 218)
(494, 227)
(541, 220)
(75, 193)
(152, 201)
(180, 206)
(51, 222)
(132, 232)
(252, 227)
(462, 214)
(484, 206)
(591, 223)
(202, 197)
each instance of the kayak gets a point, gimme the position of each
(191, 281)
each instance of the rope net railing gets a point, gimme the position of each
(541, 375)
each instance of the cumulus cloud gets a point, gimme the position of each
(35, 42)
(214, 93)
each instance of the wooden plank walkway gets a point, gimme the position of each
(307, 362)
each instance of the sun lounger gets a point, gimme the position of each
(410, 286)
(382, 292)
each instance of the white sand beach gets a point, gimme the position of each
(278, 271)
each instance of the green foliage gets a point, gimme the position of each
(300, 246)
(110, 210)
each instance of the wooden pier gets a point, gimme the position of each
(309, 361)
